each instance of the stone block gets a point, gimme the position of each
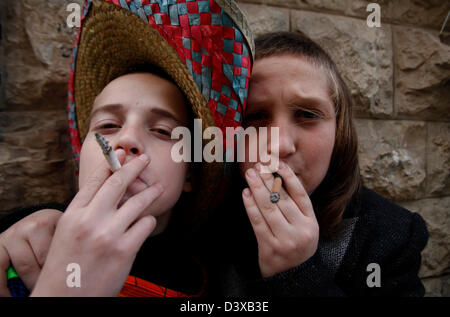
(422, 80)
(436, 255)
(264, 19)
(36, 164)
(430, 14)
(37, 53)
(438, 159)
(363, 55)
(325, 5)
(392, 157)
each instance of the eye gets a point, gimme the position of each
(305, 114)
(106, 128)
(162, 132)
(109, 126)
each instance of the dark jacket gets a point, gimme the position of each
(374, 230)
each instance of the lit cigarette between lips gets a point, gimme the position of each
(110, 155)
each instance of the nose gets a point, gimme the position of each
(286, 139)
(130, 140)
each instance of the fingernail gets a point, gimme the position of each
(247, 192)
(282, 165)
(143, 158)
(251, 173)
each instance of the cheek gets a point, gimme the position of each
(171, 175)
(316, 150)
(319, 147)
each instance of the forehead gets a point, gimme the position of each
(291, 74)
(144, 90)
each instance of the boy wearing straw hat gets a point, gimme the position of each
(199, 54)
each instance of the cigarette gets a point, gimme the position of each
(110, 155)
(276, 188)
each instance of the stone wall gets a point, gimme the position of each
(35, 155)
(399, 76)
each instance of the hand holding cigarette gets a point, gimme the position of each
(98, 234)
(282, 218)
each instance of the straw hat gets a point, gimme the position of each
(205, 46)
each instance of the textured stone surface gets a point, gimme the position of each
(436, 255)
(423, 75)
(427, 13)
(329, 5)
(392, 157)
(35, 164)
(437, 286)
(363, 55)
(264, 19)
(37, 46)
(438, 159)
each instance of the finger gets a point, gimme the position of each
(138, 233)
(261, 194)
(287, 206)
(296, 190)
(133, 207)
(109, 195)
(4, 265)
(24, 262)
(260, 227)
(94, 182)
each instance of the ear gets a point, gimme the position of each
(187, 186)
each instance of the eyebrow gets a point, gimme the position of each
(119, 107)
(301, 99)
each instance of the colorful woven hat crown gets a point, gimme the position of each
(210, 38)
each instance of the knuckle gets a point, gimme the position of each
(93, 181)
(289, 246)
(121, 250)
(256, 218)
(115, 181)
(266, 176)
(103, 240)
(41, 221)
(80, 226)
(140, 203)
(310, 236)
(267, 206)
(23, 265)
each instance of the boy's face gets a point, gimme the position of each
(137, 113)
(289, 93)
